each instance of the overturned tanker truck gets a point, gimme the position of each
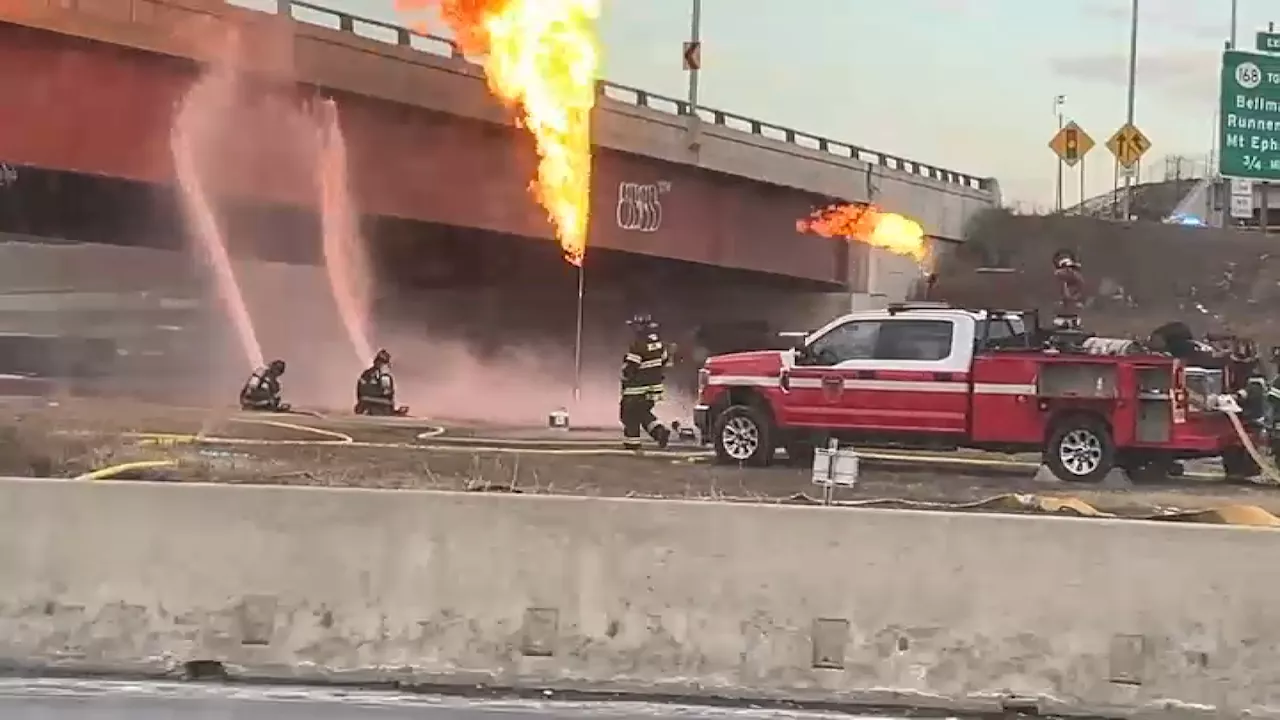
(927, 374)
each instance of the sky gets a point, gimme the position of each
(968, 85)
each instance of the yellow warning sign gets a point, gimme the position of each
(1071, 144)
(1128, 145)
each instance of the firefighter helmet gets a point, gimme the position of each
(1065, 259)
(642, 322)
(276, 367)
(382, 358)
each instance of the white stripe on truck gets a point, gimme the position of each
(934, 386)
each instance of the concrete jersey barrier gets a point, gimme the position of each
(685, 598)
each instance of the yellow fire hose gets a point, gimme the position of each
(1232, 515)
(112, 471)
(1266, 468)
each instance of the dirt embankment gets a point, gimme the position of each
(1139, 275)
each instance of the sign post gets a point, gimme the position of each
(1071, 144)
(1249, 132)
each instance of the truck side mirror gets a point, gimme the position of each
(804, 354)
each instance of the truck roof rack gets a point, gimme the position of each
(898, 307)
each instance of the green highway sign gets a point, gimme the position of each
(1249, 134)
(1269, 42)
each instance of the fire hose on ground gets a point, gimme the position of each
(1233, 515)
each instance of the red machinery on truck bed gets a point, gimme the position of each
(937, 376)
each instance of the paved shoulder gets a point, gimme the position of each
(90, 700)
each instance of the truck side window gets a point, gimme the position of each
(855, 340)
(925, 340)
(1006, 332)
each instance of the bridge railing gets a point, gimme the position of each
(407, 37)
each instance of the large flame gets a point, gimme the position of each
(541, 56)
(868, 224)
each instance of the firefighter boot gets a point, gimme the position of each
(661, 434)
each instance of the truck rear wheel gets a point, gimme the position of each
(742, 436)
(1080, 449)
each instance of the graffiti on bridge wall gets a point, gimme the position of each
(640, 206)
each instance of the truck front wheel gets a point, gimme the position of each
(1080, 449)
(742, 436)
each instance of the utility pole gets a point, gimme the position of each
(1133, 83)
(1058, 102)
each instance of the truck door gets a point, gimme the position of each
(919, 377)
(819, 392)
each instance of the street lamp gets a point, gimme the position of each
(1235, 23)
(695, 37)
(1133, 79)
(1058, 102)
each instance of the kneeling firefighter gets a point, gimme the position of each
(262, 390)
(376, 389)
(643, 376)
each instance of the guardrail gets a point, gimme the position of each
(444, 47)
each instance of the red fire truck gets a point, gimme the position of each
(931, 375)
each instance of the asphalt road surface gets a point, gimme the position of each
(95, 700)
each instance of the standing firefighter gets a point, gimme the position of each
(262, 390)
(376, 389)
(1070, 279)
(1273, 406)
(643, 375)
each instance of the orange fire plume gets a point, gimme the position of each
(541, 56)
(870, 225)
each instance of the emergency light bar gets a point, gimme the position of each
(918, 305)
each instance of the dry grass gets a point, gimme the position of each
(67, 440)
(31, 446)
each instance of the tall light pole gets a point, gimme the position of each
(1058, 102)
(1235, 22)
(695, 37)
(1133, 84)
(693, 52)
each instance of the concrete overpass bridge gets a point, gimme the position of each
(90, 86)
